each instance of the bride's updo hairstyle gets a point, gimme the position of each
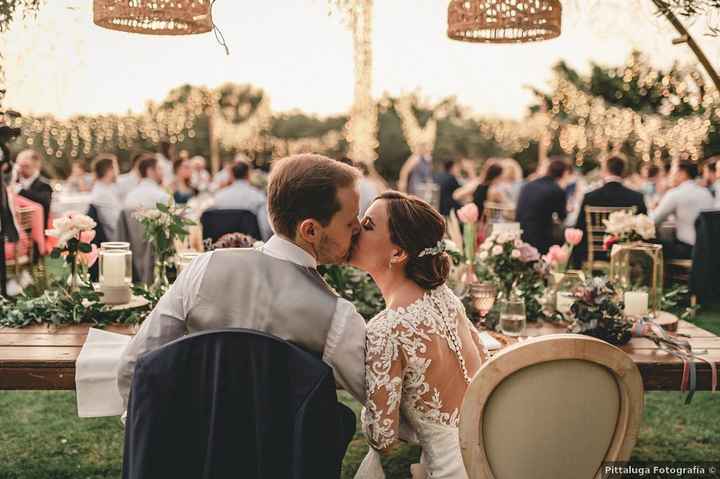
(415, 226)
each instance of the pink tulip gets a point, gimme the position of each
(573, 236)
(87, 236)
(557, 254)
(469, 213)
(88, 259)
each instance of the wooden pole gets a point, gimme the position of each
(214, 149)
(685, 37)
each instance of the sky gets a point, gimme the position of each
(63, 64)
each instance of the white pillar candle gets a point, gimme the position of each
(563, 301)
(113, 269)
(636, 303)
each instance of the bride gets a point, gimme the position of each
(421, 351)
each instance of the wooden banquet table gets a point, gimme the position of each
(43, 358)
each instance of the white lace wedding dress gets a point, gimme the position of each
(419, 362)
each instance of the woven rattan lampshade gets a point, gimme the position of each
(154, 17)
(504, 21)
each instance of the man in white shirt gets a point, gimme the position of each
(128, 181)
(148, 192)
(685, 201)
(276, 289)
(103, 195)
(241, 195)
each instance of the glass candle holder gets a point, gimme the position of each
(115, 272)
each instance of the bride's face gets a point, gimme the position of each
(373, 249)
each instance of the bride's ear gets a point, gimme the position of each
(398, 256)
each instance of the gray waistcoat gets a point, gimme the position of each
(244, 288)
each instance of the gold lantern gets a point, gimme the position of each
(504, 21)
(636, 267)
(154, 17)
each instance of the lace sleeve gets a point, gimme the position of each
(385, 365)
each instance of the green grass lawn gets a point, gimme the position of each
(41, 436)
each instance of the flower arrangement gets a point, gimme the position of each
(462, 245)
(162, 226)
(624, 227)
(557, 257)
(74, 233)
(598, 312)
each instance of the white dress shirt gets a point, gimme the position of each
(105, 199)
(685, 201)
(25, 183)
(126, 183)
(167, 321)
(146, 195)
(241, 195)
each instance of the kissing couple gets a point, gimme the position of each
(409, 366)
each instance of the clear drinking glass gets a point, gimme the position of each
(512, 317)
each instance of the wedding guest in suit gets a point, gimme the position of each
(30, 184)
(685, 201)
(104, 195)
(182, 184)
(611, 194)
(148, 192)
(540, 201)
(241, 195)
(128, 181)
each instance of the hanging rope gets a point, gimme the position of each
(216, 30)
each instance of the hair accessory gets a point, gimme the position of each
(437, 249)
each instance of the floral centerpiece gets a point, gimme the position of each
(513, 264)
(598, 312)
(74, 233)
(624, 227)
(462, 245)
(162, 226)
(558, 257)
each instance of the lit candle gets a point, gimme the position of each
(113, 269)
(563, 301)
(636, 303)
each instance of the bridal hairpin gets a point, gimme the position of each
(437, 249)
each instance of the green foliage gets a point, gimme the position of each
(598, 312)
(355, 286)
(676, 300)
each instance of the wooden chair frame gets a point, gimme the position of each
(540, 350)
(596, 233)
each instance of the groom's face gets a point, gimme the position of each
(339, 235)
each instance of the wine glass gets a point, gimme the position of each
(483, 298)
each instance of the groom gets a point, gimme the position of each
(313, 207)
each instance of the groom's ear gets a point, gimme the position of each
(309, 230)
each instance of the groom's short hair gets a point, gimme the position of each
(305, 186)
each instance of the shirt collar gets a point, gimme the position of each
(613, 179)
(281, 248)
(26, 182)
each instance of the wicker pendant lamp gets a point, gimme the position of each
(154, 17)
(504, 21)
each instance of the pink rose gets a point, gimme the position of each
(573, 236)
(87, 236)
(469, 213)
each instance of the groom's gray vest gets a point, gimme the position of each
(244, 288)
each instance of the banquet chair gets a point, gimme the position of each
(553, 407)
(594, 216)
(234, 403)
(216, 223)
(24, 249)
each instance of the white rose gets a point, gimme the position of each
(487, 244)
(497, 249)
(518, 243)
(515, 253)
(83, 222)
(483, 255)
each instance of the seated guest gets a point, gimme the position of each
(128, 181)
(79, 179)
(540, 200)
(685, 201)
(104, 196)
(241, 195)
(30, 184)
(148, 192)
(181, 185)
(200, 177)
(611, 194)
(224, 177)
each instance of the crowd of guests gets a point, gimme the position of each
(557, 195)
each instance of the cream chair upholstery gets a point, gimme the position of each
(554, 407)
